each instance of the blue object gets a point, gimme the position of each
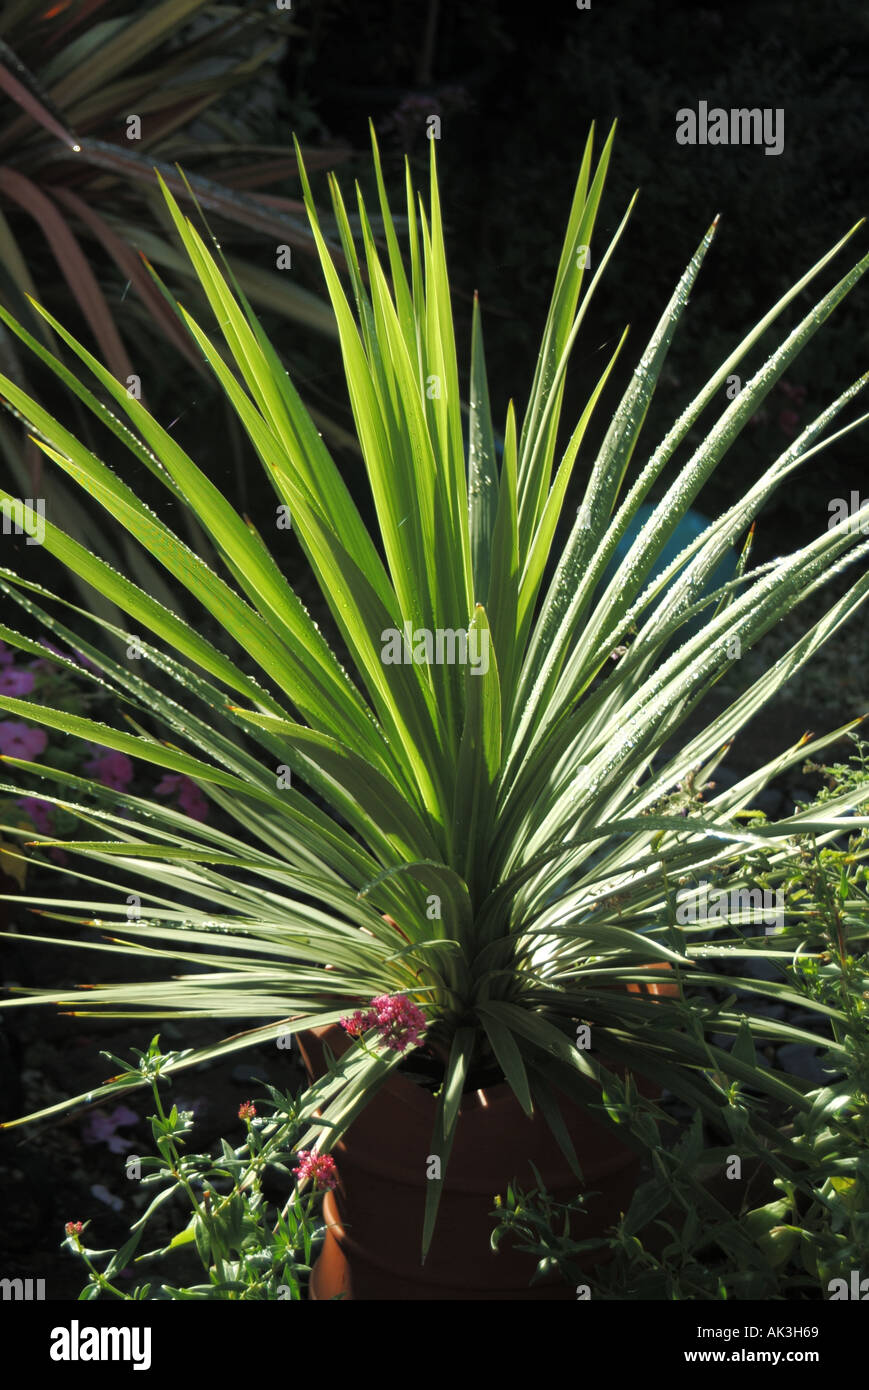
(689, 528)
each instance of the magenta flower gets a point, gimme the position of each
(191, 800)
(40, 812)
(320, 1167)
(14, 682)
(398, 1021)
(114, 770)
(20, 741)
(189, 797)
(356, 1024)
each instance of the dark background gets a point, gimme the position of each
(517, 91)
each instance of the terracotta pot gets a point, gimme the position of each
(374, 1231)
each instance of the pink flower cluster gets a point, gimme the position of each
(398, 1021)
(20, 741)
(190, 798)
(15, 682)
(40, 812)
(114, 770)
(320, 1167)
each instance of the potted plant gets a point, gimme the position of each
(490, 856)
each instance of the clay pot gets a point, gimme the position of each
(374, 1218)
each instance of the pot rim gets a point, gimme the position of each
(483, 1098)
(412, 1094)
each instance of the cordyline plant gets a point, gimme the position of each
(485, 837)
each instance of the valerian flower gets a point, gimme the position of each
(320, 1167)
(399, 1022)
(356, 1024)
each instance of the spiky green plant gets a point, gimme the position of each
(486, 838)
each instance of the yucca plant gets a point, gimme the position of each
(491, 836)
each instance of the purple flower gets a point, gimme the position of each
(20, 741)
(112, 769)
(74, 655)
(101, 1127)
(190, 798)
(6, 655)
(40, 812)
(14, 682)
(55, 651)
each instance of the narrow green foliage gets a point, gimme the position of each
(494, 833)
